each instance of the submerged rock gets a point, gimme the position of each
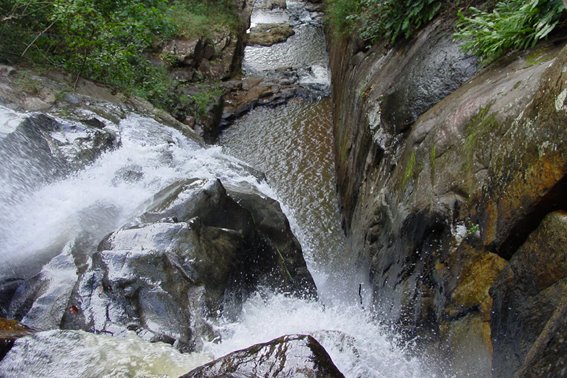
(59, 353)
(287, 356)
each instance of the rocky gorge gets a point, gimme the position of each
(130, 247)
(451, 179)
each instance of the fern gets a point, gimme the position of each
(512, 25)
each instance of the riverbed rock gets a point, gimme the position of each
(270, 34)
(196, 253)
(10, 331)
(241, 96)
(527, 295)
(270, 4)
(435, 193)
(287, 356)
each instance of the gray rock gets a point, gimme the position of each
(270, 4)
(187, 53)
(42, 149)
(196, 253)
(287, 356)
(527, 294)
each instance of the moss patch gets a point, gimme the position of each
(480, 126)
(409, 170)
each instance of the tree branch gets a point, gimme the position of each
(37, 37)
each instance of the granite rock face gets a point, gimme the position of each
(444, 171)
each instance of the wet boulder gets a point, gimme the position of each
(287, 356)
(198, 252)
(42, 149)
(270, 34)
(41, 301)
(526, 296)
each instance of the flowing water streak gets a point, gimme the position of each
(105, 195)
(292, 144)
(112, 191)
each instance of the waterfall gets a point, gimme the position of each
(293, 145)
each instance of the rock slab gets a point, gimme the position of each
(287, 356)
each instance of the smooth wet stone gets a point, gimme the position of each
(287, 356)
(198, 252)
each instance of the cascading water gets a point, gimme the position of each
(293, 145)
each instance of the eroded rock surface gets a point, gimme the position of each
(527, 296)
(443, 173)
(287, 356)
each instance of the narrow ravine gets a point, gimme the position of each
(291, 144)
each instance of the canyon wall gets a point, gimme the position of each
(452, 182)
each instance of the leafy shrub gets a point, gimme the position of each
(374, 20)
(108, 40)
(197, 18)
(341, 14)
(103, 40)
(513, 24)
(395, 19)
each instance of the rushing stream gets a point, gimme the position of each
(292, 144)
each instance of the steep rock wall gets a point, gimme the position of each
(444, 170)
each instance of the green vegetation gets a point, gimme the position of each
(341, 14)
(389, 20)
(512, 24)
(206, 96)
(395, 19)
(507, 25)
(409, 170)
(198, 18)
(108, 41)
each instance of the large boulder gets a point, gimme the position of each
(287, 356)
(440, 189)
(42, 149)
(196, 253)
(527, 294)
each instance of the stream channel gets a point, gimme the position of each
(293, 145)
